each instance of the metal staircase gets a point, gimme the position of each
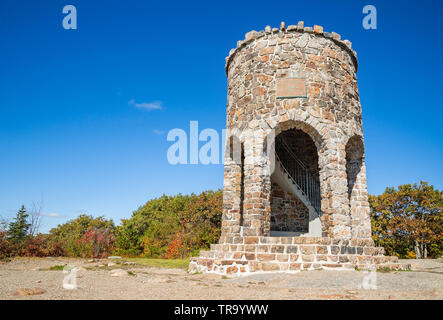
(300, 176)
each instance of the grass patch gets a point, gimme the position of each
(54, 268)
(384, 270)
(161, 263)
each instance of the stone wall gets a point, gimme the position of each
(288, 213)
(293, 254)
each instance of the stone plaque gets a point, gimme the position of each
(291, 88)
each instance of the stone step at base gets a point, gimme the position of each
(345, 258)
(242, 267)
(310, 248)
(228, 240)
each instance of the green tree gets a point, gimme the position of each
(172, 226)
(19, 227)
(85, 236)
(408, 221)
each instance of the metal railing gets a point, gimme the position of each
(304, 180)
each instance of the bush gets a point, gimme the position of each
(42, 246)
(7, 248)
(172, 226)
(85, 237)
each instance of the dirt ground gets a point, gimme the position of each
(126, 280)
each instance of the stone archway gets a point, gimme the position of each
(293, 211)
(295, 186)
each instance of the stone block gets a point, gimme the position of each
(335, 249)
(286, 240)
(322, 250)
(282, 257)
(291, 249)
(231, 270)
(307, 249)
(318, 29)
(250, 256)
(308, 258)
(251, 240)
(265, 257)
(295, 266)
(269, 266)
(277, 249)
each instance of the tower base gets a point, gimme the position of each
(292, 254)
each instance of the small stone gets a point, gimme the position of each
(28, 292)
(301, 25)
(268, 29)
(348, 43)
(282, 26)
(308, 29)
(318, 29)
(251, 35)
(110, 264)
(291, 28)
(336, 36)
(114, 257)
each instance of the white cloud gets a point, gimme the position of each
(158, 132)
(154, 105)
(52, 215)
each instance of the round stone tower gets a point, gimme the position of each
(305, 79)
(294, 164)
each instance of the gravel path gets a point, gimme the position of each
(97, 280)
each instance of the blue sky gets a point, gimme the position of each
(84, 113)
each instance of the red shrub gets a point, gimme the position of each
(175, 248)
(7, 248)
(41, 246)
(97, 243)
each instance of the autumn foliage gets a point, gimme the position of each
(408, 221)
(172, 226)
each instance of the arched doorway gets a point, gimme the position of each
(295, 186)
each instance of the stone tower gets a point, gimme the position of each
(295, 178)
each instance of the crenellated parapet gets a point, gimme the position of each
(299, 28)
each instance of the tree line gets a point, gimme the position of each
(407, 221)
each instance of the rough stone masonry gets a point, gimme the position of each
(299, 84)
